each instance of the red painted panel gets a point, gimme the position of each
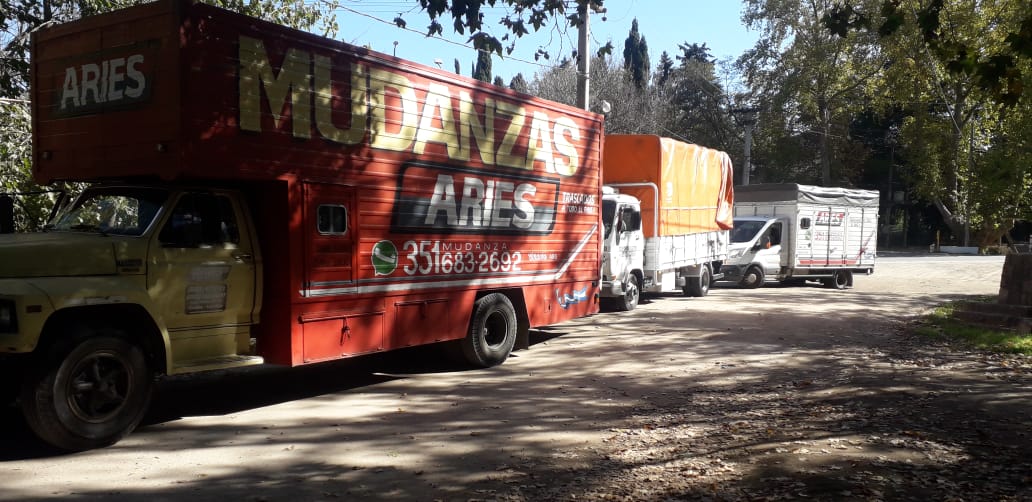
(454, 187)
(332, 335)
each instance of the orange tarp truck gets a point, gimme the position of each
(262, 195)
(667, 211)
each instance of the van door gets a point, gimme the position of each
(770, 249)
(202, 273)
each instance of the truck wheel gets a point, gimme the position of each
(492, 331)
(840, 280)
(90, 396)
(752, 278)
(632, 293)
(699, 286)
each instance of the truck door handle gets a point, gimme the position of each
(242, 257)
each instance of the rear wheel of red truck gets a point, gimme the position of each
(89, 395)
(492, 331)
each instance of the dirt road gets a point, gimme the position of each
(764, 394)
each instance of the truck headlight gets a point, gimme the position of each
(737, 253)
(8, 319)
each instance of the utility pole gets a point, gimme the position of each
(583, 61)
(746, 117)
(583, 55)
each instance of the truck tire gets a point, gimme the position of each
(752, 278)
(492, 331)
(631, 296)
(841, 279)
(89, 396)
(699, 286)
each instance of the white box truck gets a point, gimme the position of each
(794, 233)
(666, 209)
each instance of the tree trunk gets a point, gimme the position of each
(1016, 280)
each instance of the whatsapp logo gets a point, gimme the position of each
(385, 258)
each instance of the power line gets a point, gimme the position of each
(460, 44)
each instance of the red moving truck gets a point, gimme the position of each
(262, 195)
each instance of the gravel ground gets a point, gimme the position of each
(769, 394)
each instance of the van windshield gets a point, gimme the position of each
(745, 230)
(112, 210)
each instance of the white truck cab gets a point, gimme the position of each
(623, 248)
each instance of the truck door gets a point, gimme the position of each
(202, 269)
(329, 236)
(770, 248)
(630, 242)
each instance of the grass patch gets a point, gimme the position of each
(941, 323)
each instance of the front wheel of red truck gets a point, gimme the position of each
(492, 331)
(89, 395)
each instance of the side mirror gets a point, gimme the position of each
(6, 214)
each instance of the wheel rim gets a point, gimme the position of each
(632, 292)
(705, 281)
(840, 280)
(752, 278)
(100, 386)
(495, 329)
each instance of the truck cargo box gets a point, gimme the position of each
(693, 190)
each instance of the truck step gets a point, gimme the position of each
(217, 363)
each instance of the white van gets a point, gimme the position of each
(793, 233)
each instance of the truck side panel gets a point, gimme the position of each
(388, 195)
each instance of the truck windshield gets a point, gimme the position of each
(112, 210)
(608, 215)
(745, 230)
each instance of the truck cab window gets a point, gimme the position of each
(201, 220)
(630, 221)
(332, 219)
(608, 215)
(112, 211)
(775, 234)
(745, 230)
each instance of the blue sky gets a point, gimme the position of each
(663, 23)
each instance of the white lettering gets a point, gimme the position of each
(70, 89)
(472, 202)
(115, 78)
(133, 72)
(90, 83)
(540, 147)
(443, 199)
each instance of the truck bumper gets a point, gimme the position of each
(611, 289)
(731, 272)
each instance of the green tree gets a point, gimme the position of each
(636, 56)
(482, 70)
(664, 68)
(809, 81)
(998, 70)
(957, 69)
(499, 81)
(522, 17)
(698, 108)
(519, 84)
